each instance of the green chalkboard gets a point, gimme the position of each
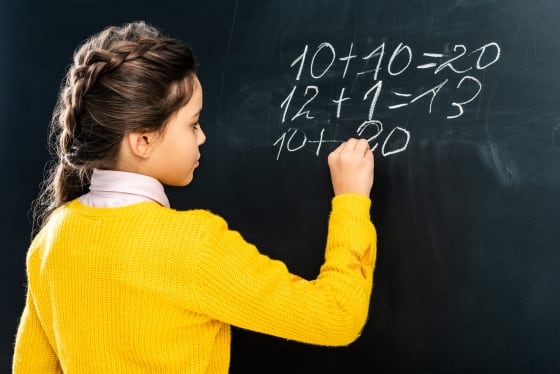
(460, 101)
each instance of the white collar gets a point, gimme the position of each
(110, 188)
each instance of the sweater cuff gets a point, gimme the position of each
(355, 202)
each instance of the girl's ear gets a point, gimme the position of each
(140, 144)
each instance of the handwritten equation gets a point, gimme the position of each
(381, 65)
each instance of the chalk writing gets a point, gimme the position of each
(380, 65)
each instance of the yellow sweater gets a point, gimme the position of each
(147, 289)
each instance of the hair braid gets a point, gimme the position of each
(123, 79)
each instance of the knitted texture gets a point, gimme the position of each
(147, 289)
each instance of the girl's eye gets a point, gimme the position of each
(196, 125)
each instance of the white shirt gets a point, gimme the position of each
(111, 188)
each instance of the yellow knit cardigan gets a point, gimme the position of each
(147, 289)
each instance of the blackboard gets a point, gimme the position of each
(460, 101)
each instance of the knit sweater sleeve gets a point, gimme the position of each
(33, 352)
(242, 287)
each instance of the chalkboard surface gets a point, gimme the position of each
(460, 101)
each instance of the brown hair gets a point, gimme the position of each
(124, 79)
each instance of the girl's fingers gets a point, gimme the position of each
(362, 146)
(352, 145)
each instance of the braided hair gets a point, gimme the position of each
(124, 79)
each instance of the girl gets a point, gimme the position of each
(118, 282)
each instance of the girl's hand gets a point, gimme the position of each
(351, 165)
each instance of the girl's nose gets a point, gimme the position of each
(201, 136)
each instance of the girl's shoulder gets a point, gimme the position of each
(200, 216)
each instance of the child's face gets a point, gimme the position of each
(176, 153)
